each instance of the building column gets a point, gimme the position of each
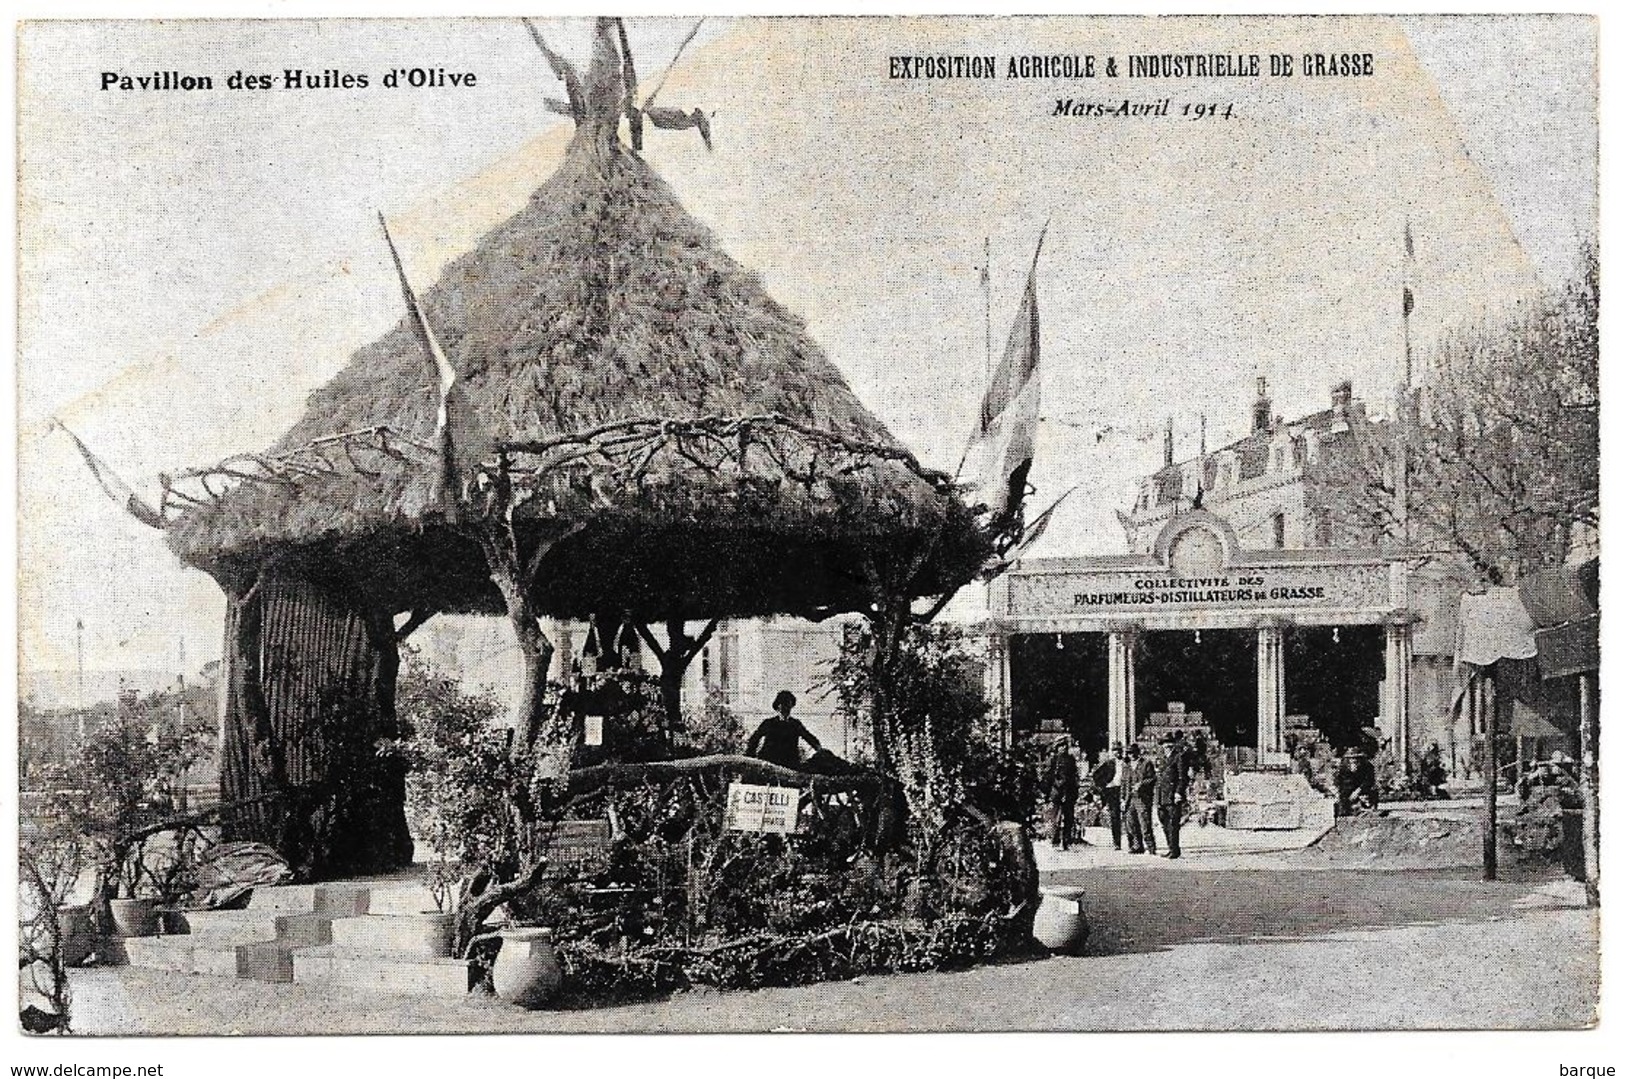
(1396, 688)
(1271, 690)
(1120, 708)
(996, 682)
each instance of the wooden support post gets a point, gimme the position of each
(1588, 782)
(1492, 769)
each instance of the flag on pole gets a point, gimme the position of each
(1033, 531)
(456, 432)
(113, 487)
(1001, 450)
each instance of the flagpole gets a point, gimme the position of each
(1402, 509)
(987, 309)
(180, 724)
(1407, 298)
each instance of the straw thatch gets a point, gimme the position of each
(604, 301)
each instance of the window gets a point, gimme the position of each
(1278, 530)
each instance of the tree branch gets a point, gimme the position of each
(416, 619)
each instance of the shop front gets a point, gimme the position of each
(1264, 645)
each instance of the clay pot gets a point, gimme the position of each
(134, 917)
(527, 968)
(78, 930)
(1060, 924)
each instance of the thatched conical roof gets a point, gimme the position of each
(602, 301)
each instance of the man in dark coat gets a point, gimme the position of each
(1108, 777)
(1061, 781)
(1138, 787)
(779, 738)
(1173, 784)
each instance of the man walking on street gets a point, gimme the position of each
(1138, 787)
(1108, 777)
(1172, 783)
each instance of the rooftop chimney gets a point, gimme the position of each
(1168, 444)
(1262, 408)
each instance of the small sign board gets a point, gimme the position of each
(578, 848)
(755, 808)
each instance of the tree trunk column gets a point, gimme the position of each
(1397, 691)
(1271, 690)
(244, 719)
(310, 689)
(1120, 698)
(1588, 781)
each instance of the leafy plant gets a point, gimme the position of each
(51, 861)
(119, 785)
(713, 727)
(934, 714)
(462, 778)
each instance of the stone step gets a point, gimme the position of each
(252, 926)
(426, 936)
(407, 897)
(221, 927)
(284, 898)
(415, 976)
(183, 955)
(339, 900)
(265, 961)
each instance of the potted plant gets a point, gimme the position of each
(126, 772)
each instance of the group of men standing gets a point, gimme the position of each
(1129, 787)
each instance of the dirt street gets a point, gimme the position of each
(1243, 949)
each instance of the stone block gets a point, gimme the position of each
(420, 935)
(269, 961)
(343, 900)
(225, 926)
(284, 898)
(413, 976)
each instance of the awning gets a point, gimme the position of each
(1528, 723)
(1562, 600)
(1553, 596)
(1551, 614)
(1494, 625)
(1568, 649)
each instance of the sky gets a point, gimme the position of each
(192, 265)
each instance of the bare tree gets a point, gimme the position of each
(1500, 446)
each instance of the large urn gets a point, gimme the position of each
(134, 917)
(78, 929)
(1060, 924)
(527, 968)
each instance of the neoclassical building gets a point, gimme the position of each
(1260, 591)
